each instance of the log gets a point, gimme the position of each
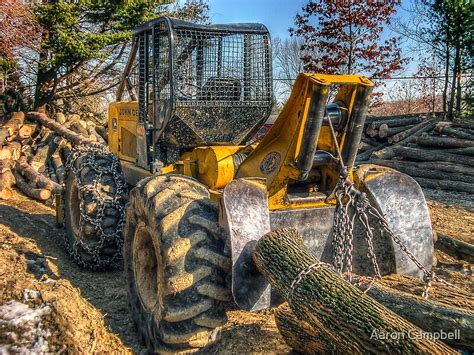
(11, 127)
(71, 136)
(364, 146)
(97, 136)
(440, 166)
(443, 142)
(386, 131)
(410, 131)
(355, 321)
(444, 185)
(397, 122)
(103, 132)
(299, 335)
(371, 132)
(453, 132)
(456, 248)
(26, 131)
(431, 316)
(366, 154)
(60, 118)
(33, 192)
(58, 167)
(79, 127)
(15, 150)
(431, 155)
(469, 124)
(7, 180)
(5, 153)
(412, 169)
(36, 178)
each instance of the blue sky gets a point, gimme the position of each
(277, 15)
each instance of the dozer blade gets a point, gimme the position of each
(245, 215)
(400, 199)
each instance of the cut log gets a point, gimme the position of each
(11, 127)
(7, 180)
(71, 136)
(453, 132)
(397, 122)
(5, 153)
(79, 127)
(445, 185)
(97, 136)
(15, 149)
(412, 169)
(367, 153)
(364, 146)
(386, 131)
(431, 316)
(103, 132)
(35, 178)
(443, 142)
(456, 248)
(60, 118)
(27, 189)
(432, 155)
(26, 131)
(469, 124)
(58, 167)
(319, 296)
(439, 166)
(410, 131)
(371, 132)
(299, 335)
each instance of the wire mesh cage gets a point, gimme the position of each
(204, 84)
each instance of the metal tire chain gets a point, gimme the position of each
(116, 202)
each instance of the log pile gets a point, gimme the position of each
(34, 149)
(437, 154)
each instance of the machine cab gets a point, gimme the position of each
(195, 85)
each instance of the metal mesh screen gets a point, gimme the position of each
(215, 69)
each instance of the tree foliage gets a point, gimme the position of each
(84, 42)
(347, 37)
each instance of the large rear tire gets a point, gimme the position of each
(175, 264)
(94, 199)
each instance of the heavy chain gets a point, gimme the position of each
(93, 158)
(350, 200)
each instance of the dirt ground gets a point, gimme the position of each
(88, 312)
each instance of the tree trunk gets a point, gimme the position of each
(431, 316)
(366, 154)
(27, 189)
(387, 131)
(453, 132)
(456, 248)
(71, 136)
(11, 127)
(36, 178)
(299, 335)
(397, 122)
(457, 64)
(319, 296)
(410, 131)
(431, 155)
(446, 72)
(445, 185)
(414, 170)
(444, 142)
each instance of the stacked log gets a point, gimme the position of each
(438, 155)
(34, 149)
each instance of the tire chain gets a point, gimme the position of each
(349, 198)
(117, 202)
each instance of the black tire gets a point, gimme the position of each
(175, 264)
(94, 199)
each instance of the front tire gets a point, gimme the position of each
(175, 264)
(94, 199)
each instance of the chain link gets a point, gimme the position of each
(80, 158)
(350, 200)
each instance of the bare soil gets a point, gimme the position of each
(89, 311)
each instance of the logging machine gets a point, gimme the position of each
(191, 98)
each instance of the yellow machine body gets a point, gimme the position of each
(273, 158)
